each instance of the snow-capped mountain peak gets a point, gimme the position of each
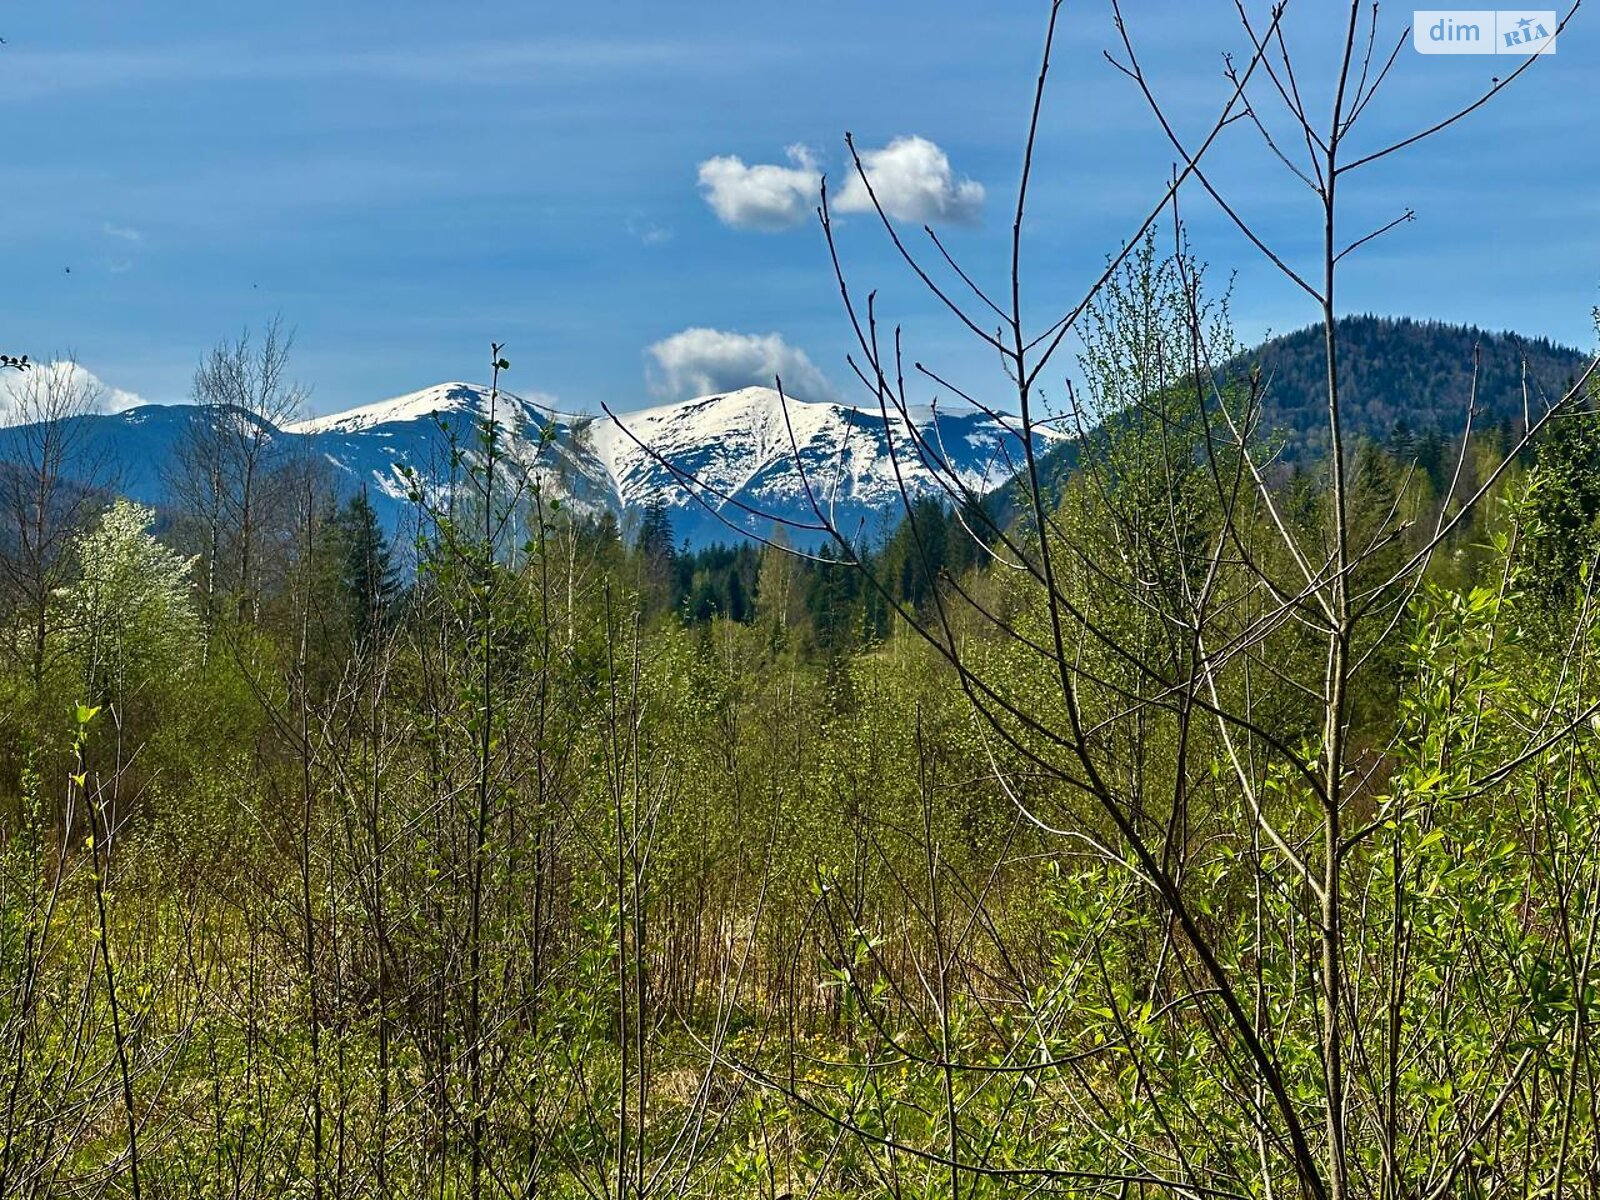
(443, 398)
(759, 455)
(751, 452)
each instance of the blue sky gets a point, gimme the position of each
(405, 182)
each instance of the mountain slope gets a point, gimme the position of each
(756, 456)
(737, 444)
(1400, 369)
(1391, 370)
(372, 443)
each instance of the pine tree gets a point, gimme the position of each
(1430, 457)
(1402, 441)
(657, 556)
(1564, 506)
(369, 579)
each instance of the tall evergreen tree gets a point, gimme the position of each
(657, 556)
(369, 578)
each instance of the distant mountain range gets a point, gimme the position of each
(738, 446)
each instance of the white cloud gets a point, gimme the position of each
(122, 233)
(16, 385)
(698, 362)
(765, 197)
(912, 179)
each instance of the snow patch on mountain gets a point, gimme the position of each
(750, 454)
(441, 400)
(756, 455)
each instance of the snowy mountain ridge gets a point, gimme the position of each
(741, 448)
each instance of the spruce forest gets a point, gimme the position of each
(1210, 811)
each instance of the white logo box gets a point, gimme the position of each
(1519, 31)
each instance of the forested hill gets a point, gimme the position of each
(1402, 381)
(1399, 370)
